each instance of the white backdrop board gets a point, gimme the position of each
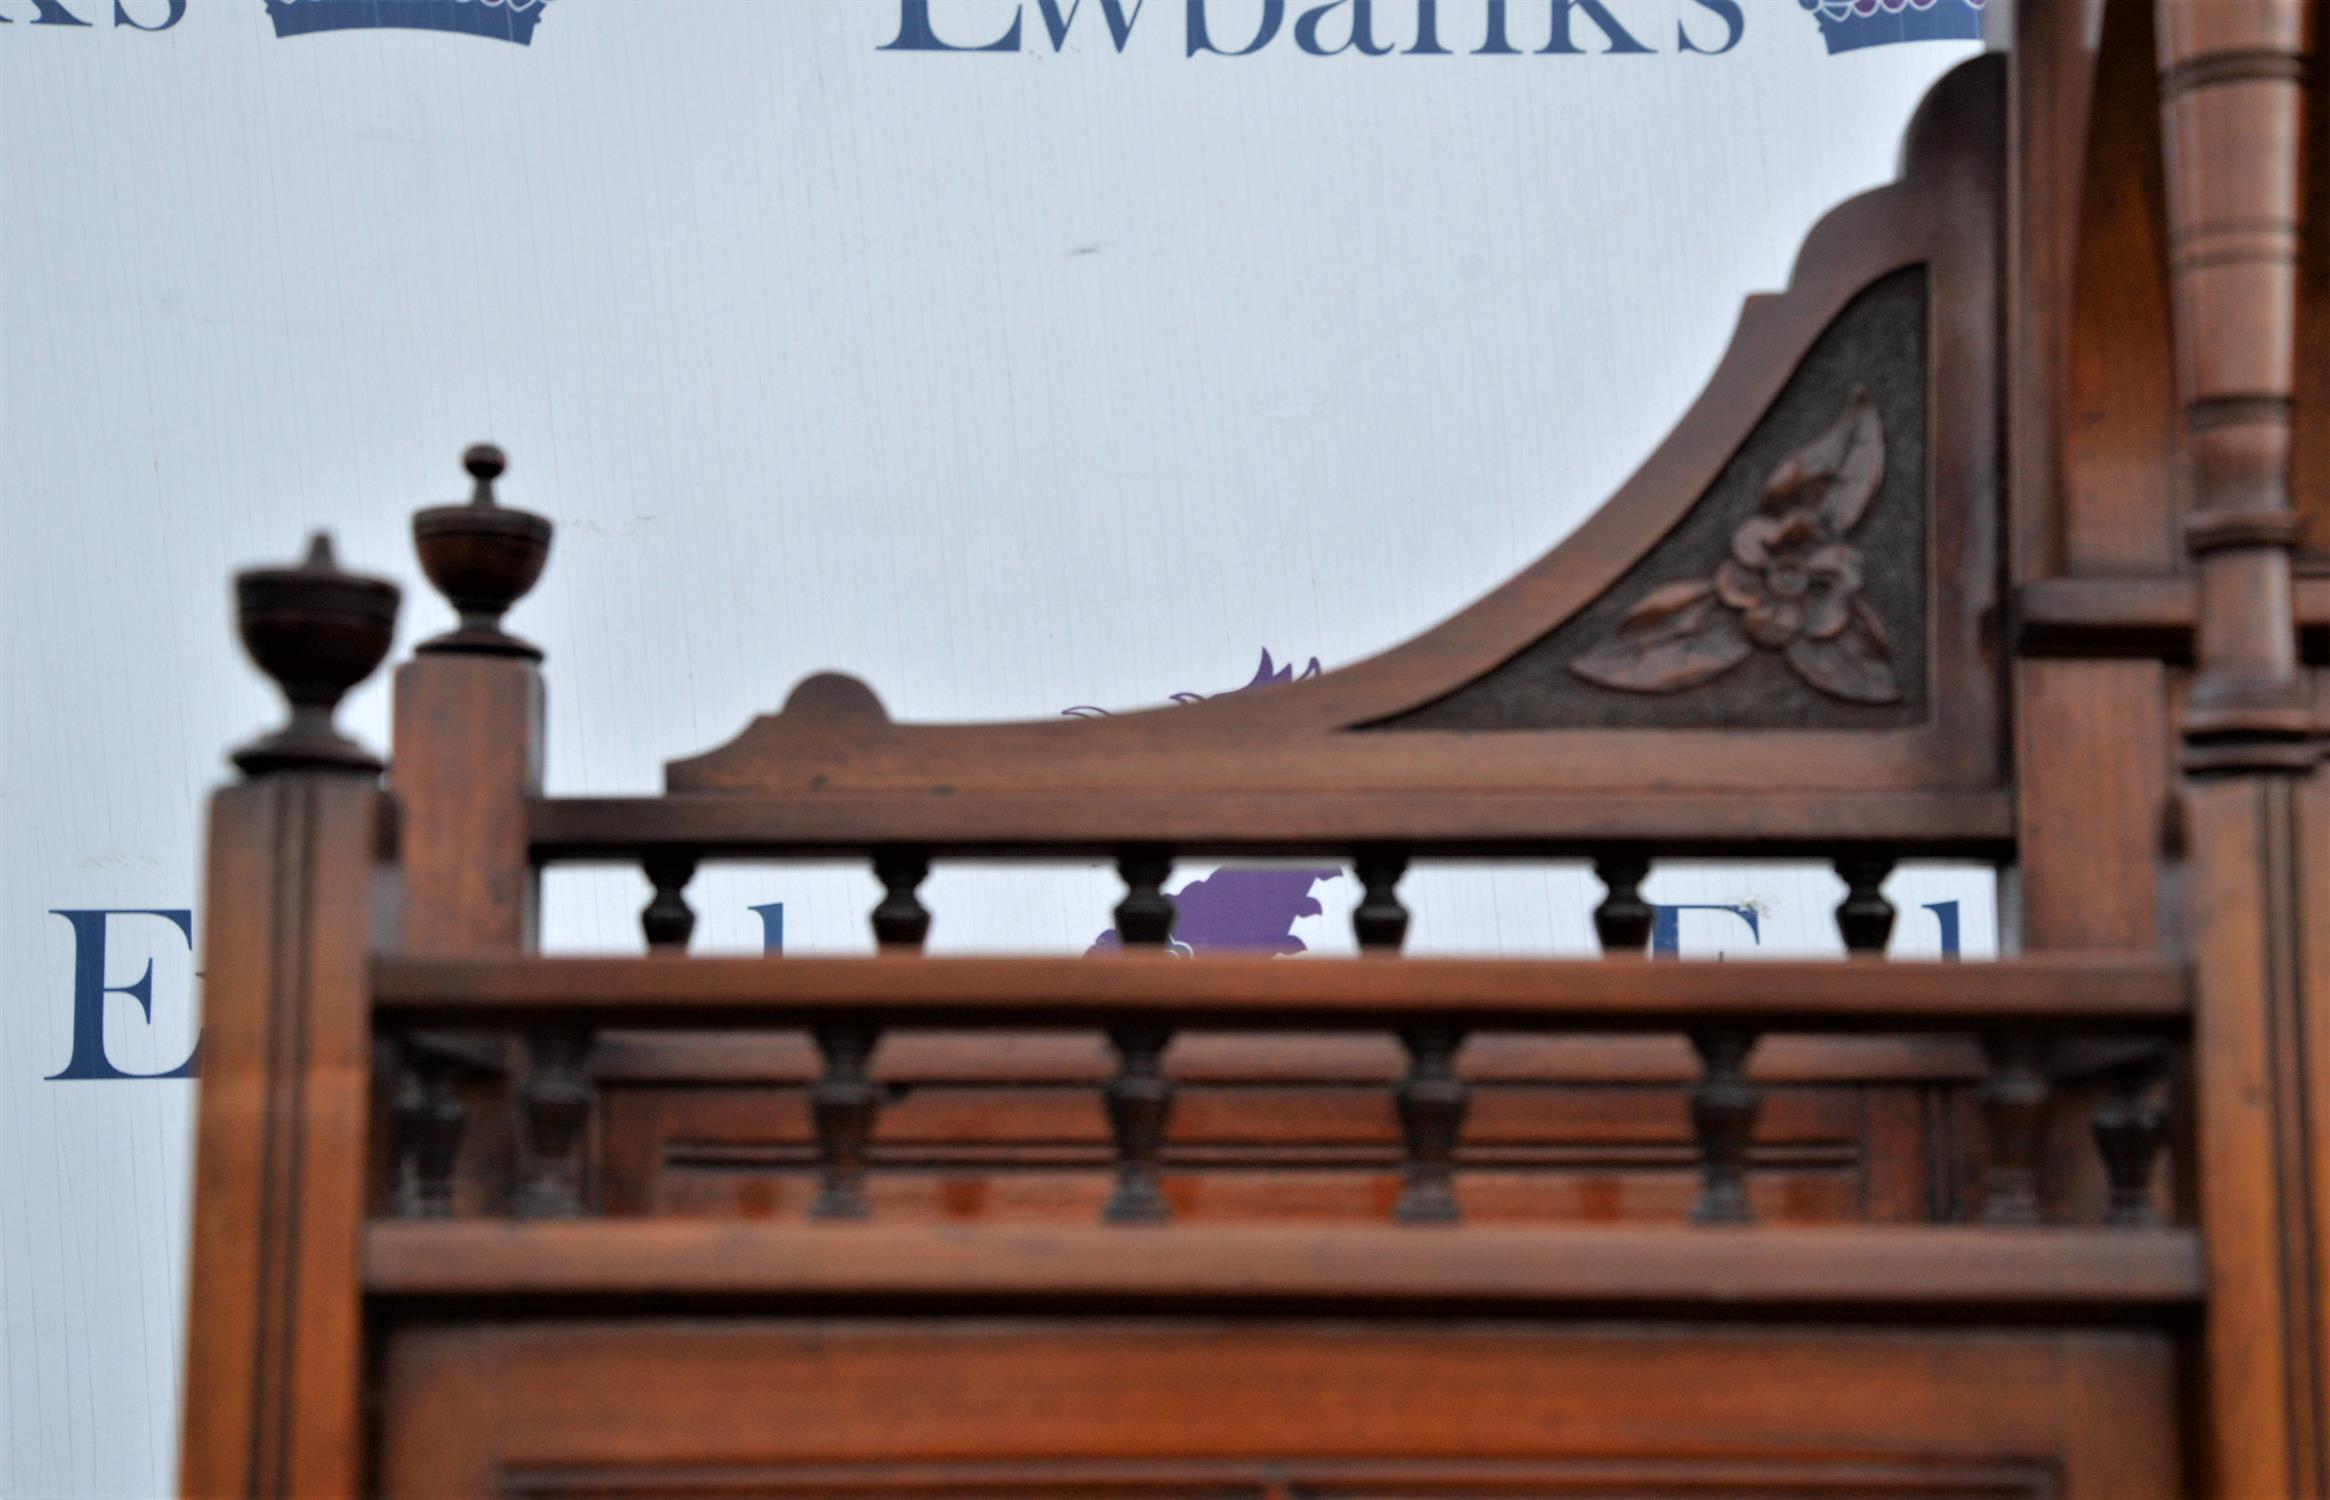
(1081, 372)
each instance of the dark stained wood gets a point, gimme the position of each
(1783, 637)
(1258, 820)
(842, 1103)
(1723, 1114)
(1239, 764)
(2066, 1273)
(1622, 921)
(1144, 918)
(2051, 98)
(2130, 1130)
(2310, 403)
(2144, 617)
(1140, 1105)
(429, 1117)
(468, 759)
(274, 1404)
(2233, 128)
(554, 1103)
(1432, 1103)
(2015, 1103)
(1056, 1408)
(901, 921)
(1535, 1150)
(2261, 878)
(1865, 918)
(318, 630)
(2121, 448)
(483, 557)
(1380, 922)
(2138, 995)
(668, 921)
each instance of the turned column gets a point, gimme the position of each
(2232, 103)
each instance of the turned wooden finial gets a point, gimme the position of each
(482, 556)
(2232, 87)
(318, 632)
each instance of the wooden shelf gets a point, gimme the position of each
(1249, 993)
(2057, 1271)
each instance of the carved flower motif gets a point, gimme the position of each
(1792, 584)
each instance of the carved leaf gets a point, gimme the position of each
(1855, 664)
(1674, 637)
(1838, 472)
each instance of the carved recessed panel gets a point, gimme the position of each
(1794, 595)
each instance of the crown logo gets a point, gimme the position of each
(504, 20)
(1849, 25)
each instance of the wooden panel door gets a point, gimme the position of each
(1272, 1410)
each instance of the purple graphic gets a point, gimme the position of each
(1849, 25)
(1237, 909)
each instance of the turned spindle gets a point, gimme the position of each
(841, 1106)
(1723, 1116)
(1623, 920)
(2014, 1101)
(901, 921)
(1865, 918)
(483, 557)
(1144, 919)
(1432, 1101)
(427, 1119)
(1380, 922)
(2130, 1127)
(667, 919)
(1140, 1102)
(554, 1108)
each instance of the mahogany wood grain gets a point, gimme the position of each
(2056, 1273)
(2050, 100)
(1241, 818)
(1256, 1327)
(2121, 501)
(274, 1399)
(1272, 1408)
(468, 760)
(2260, 888)
(1536, 1146)
(2144, 616)
(2107, 992)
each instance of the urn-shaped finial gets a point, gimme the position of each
(318, 632)
(483, 557)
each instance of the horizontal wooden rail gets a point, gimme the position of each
(1050, 821)
(2056, 1272)
(2142, 616)
(1572, 995)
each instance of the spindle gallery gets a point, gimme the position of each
(2002, 534)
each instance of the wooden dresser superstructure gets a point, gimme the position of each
(2000, 534)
